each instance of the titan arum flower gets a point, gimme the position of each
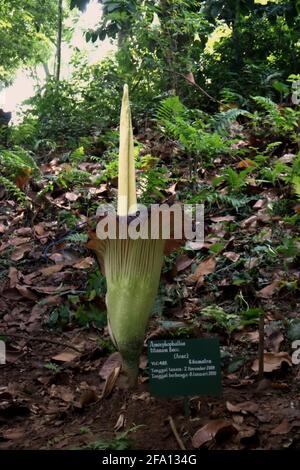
(132, 266)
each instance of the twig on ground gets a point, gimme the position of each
(175, 432)
(40, 339)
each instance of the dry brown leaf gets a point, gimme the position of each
(55, 268)
(85, 263)
(3, 246)
(260, 204)
(52, 300)
(57, 258)
(246, 163)
(39, 229)
(21, 251)
(60, 391)
(244, 407)
(251, 336)
(36, 313)
(211, 430)
(283, 428)
(183, 262)
(172, 189)
(13, 275)
(11, 294)
(23, 231)
(269, 290)
(65, 356)
(25, 292)
(13, 434)
(274, 340)
(195, 246)
(17, 241)
(251, 222)
(71, 197)
(232, 256)
(247, 433)
(273, 361)
(203, 269)
(286, 158)
(144, 396)
(224, 218)
(113, 361)
(190, 78)
(172, 245)
(29, 277)
(250, 263)
(120, 422)
(110, 382)
(88, 397)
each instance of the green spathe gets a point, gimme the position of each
(133, 270)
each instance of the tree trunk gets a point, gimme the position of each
(163, 15)
(46, 70)
(236, 34)
(59, 39)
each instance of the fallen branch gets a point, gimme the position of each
(196, 85)
(175, 432)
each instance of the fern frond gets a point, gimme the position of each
(77, 237)
(13, 190)
(169, 108)
(266, 104)
(296, 185)
(18, 161)
(222, 121)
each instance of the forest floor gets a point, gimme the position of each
(57, 388)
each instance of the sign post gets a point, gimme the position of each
(185, 367)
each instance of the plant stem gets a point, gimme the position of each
(131, 371)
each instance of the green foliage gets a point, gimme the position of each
(68, 218)
(221, 121)
(275, 120)
(54, 368)
(195, 135)
(76, 312)
(77, 238)
(96, 285)
(87, 102)
(121, 442)
(78, 155)
(289, 248)
(24, 134)
(296, 185)
(259, 50)
(27, 29)
(59, 317)
(72, 177)
(151, 182)
(16, 163)
(13, 190)
(87, 315)
(111, 169)
(82, 310)
(231, 321)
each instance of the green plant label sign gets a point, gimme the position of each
(185, 367)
